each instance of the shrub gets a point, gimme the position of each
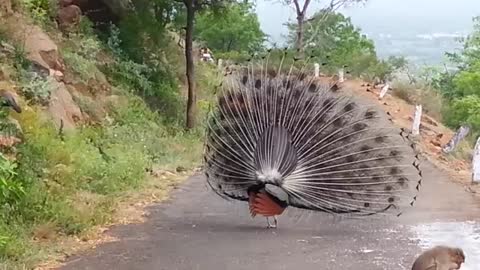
(404, 91)
(42, 11)
(36, 88)
(465, 110)
(11, 192)
(430, 99)
(148, 61)
(85, 67)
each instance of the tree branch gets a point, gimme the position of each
(297, 7)
(305, 6)
(332, 7)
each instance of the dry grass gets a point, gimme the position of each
(430, 99)
(464, 150)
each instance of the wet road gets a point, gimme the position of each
(198, 230)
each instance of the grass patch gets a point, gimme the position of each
(72, 185)
(63, 187)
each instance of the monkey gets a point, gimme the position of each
(440, 258)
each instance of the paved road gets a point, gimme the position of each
(198, 230)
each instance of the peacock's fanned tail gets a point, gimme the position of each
(328, 152)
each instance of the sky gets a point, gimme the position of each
(383, 16)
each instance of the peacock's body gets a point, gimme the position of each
(279, 139)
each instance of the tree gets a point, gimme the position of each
(332, 35)
(470, 55)
(465, 110)
(192, 7)
(465, 80)
(461, 87)
(145, 28)
(301, 12)
(235, 29)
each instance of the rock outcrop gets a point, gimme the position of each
(62, 108)
(40, 49)
(68, 17)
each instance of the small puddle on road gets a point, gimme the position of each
(461, 234)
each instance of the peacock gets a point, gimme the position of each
(277, 138)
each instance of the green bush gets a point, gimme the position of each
(70, 183)
(42, 11)
(146, 75)
(85, 67)
(233, 56)
(11, 191)
(465, 110)
(36, 88)
(235, 28)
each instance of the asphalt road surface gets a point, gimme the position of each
(198, 230)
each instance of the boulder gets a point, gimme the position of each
(63, 108)
(68, 16)
(40, 49)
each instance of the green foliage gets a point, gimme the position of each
(372, 68)
(146, 29)
(465, 110)
(234, 56)
(464, 80)
(69, 183)
(150, 78)
(64, 185)
(332, 38)
(20, 62)
(235, 28)
(397, 62)
(461, 87)
(82, 66)
(36, 88)
(41, 11)
(166, 145)
(468, 82)
(470, 55)
(11, 191)
(444, 82)
(81, 55)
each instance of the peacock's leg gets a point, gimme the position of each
(274, 225)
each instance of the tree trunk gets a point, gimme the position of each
(192, 98)
(300, 22)
(301, 11)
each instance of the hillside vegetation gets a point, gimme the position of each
(450, 96)
(100, 117)
(102, 91)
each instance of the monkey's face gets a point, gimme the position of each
(459, 256)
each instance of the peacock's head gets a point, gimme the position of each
(278, 193)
